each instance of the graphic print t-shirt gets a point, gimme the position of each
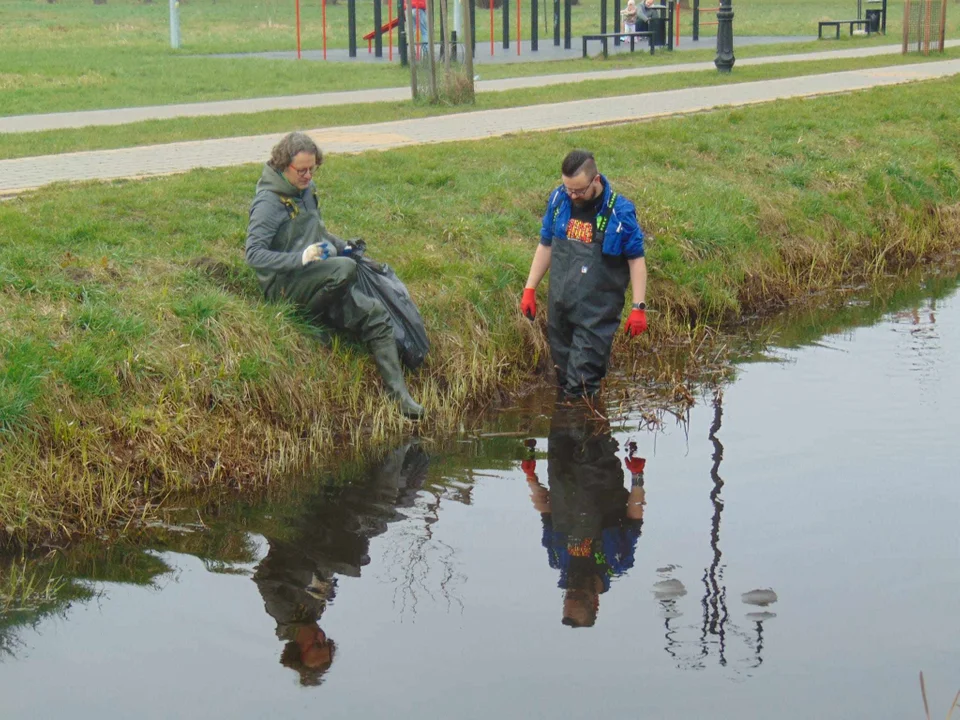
(583, 221)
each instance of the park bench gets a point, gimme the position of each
(606, 37)
(838, 23)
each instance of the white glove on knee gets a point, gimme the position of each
(318, 251)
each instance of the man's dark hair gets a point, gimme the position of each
(578, 161)
(289, 147)
(292, 657)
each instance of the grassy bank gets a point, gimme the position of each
(136, 358)
(13, 145)
(73, 55)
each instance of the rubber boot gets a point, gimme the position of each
(388, 362)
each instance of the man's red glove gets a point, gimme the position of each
(636, 323)
(528, 304)
(634, 464)
(529, 466)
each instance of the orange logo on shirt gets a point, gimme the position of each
(580, 230)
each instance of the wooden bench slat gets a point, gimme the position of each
(604, 37)
(837, 23)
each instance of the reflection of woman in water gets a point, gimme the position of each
(297, 577)
(591, 523)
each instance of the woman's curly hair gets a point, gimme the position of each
(289, 147)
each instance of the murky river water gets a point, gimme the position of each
(480, 581)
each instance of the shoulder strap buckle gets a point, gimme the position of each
(603, 218)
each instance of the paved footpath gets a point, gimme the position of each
(30, 173)
(122, 116)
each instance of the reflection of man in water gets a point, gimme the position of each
(297, 576)
(591, 523)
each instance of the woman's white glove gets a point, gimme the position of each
(317, 251)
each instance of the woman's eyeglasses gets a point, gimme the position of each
(305, 172)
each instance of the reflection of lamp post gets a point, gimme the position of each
(716, 628)
(725, 59)
(715, 596)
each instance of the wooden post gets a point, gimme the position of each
(943, 23)
(518, 24)
(434, 94)
(445, 33)
(468, 43)
(906, 26)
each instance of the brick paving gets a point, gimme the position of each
(24, 174)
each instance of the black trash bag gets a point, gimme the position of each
(378, 280)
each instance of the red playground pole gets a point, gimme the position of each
(390, 31)
(676, 8)
(323, 13)
(518, 26)
(491, 25)
(298, 29)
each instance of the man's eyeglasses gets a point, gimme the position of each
(579, 192)
(305, 172)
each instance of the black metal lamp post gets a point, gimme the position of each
(725, 58)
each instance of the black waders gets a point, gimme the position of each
(326, 289)
(585, 303)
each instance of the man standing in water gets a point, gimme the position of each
(593, 246)
(297, 259)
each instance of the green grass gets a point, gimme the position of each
(14, 145)
(74, 55)
(130, 369)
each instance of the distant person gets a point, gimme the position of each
(629, 17)
(592, 245)
(645, 13)
(591, 522)
(299, 260)
(419, 8)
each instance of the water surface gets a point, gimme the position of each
(487, 579)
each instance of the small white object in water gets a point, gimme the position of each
(669, 589)
(760, 616)
(762, 597)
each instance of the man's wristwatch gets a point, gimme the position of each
(640, 306)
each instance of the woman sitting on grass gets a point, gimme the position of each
(297, 259)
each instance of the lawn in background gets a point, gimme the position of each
(76, 55)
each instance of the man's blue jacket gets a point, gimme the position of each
(622, 236)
